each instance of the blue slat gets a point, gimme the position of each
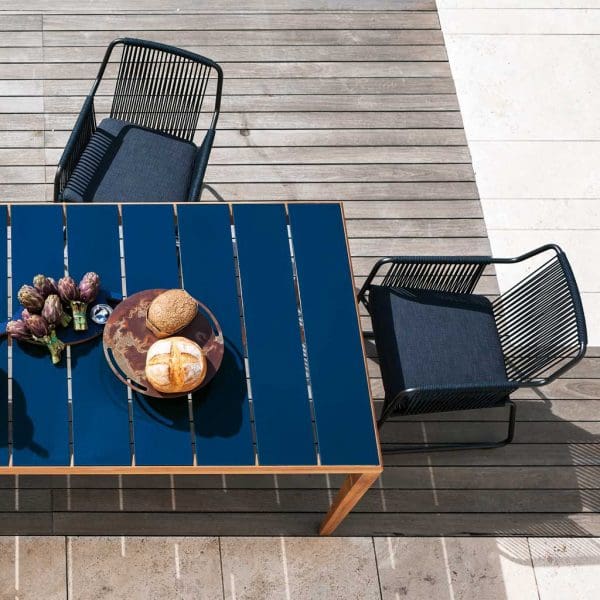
(3, 342)
(150, 249)
(40, 409)
(161, 427)
(343, 414)
(100, 410)
(221, 412)
(277, 376)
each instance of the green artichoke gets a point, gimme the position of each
(31, 299)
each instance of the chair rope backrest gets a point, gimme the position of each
(161, 89)
(540, 322)
(457, 278)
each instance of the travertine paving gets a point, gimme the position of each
(290, 568)
(525, 74)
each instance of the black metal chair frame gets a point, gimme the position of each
(158, 86)
(540, 322)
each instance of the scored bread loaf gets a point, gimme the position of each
(175, 364)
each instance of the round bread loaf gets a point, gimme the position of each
(170, 312)
(175, 365)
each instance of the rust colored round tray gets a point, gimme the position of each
(127, 340)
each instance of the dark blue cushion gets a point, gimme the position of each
(427, 338)
(127, 163)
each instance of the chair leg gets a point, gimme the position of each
(388, 409)
(412, 448)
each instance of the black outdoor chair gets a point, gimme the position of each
(443, 348)
(144, 151)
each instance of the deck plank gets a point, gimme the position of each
(243, 21)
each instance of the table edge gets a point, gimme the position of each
(192, 470)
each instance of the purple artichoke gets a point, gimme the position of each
(45, 285)
(69, 292)
(53, 311)
(42, 332)
(92, 277)
(88, 287)
(51, 285)
(31, 299)
(67, 289)
(25, 314)
(18, 330)
(38, 326)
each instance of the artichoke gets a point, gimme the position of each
(31, 299)
(91, 277)
(38, 326)
(88, 287)
(67, 289)
(42, 332)
(53, 311)
(45, 285)
(79, 296)
(18, 329)
(69, 293)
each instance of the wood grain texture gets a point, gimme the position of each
(324, 100)
(349, 495)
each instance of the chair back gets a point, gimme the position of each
(541, 323)
(162, 87)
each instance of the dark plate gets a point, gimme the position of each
(67, 334)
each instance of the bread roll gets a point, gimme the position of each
(175, 365)
(170, 312)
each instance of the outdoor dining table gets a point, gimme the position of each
(292, 393)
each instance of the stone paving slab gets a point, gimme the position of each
(144, 568)
(455, 568)
(299, 568)
(566, 568)
(32, 568)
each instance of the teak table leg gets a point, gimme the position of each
(350, 493)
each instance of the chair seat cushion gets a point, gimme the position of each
(126, 163)
(427, 338)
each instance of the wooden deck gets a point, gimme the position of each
(329, 99)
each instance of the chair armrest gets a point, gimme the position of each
(455, 274)
(540, 320)
(84, 128)
(200, 165)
